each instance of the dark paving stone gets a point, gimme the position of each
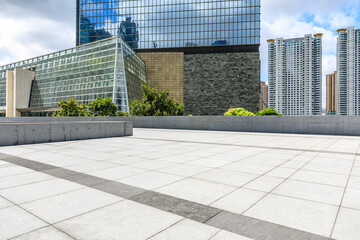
(194, 211)
(258, 229)
(60, 172)
(86, 180)
(36, 166)
(4, 156)
(119, 189)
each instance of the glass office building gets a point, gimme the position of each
(150, 24)
(107, 68)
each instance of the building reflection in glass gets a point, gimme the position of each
(171, 23)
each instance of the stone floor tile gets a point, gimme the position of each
(126, 220)
(354, 182)
(248, 168)
(179, 158)
(35, 191)
(46, 233)
(347, 226)
(264, 183)
(329, 168)
(63, 206)
(150, 180)
(300, 214)
(199, 191)
(187, 229)
(311, 191)
(281, 172)
(227, 177)
(126, 160)
(14, 170)
(321, 177)
(225, 235)
(91, 167)
(152, 164)
(239, 201)
(117, 172)
(4, 203)
(356, 171)
(185, 170)
(209, 162)
(352, 199)
(15, 221)
(22, 179)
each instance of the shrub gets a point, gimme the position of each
(156, 103)
(102, 108)
(122, 114)
(238, 112)
(70, 108)
(268, 112)
(98, 108)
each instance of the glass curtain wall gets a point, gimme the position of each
(170, 23)
(83, 73)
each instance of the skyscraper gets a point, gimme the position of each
(348, 72)
(169, 24)
(331, 94)
(205, 52)
(295, 75)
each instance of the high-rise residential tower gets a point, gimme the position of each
(295, 75)
(331, 94)
(348, 72)
(205, 52)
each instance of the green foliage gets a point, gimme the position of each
(122, 114)
(70, 108)
(102, 107)
(98, 108)
(268, 112)
(156, 103)
(238, 112)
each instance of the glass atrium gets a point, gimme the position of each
(107, 68)
(147, 24)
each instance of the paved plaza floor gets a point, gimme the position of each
(173, 184)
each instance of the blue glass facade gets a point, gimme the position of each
(148, 24)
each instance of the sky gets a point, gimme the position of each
(31, 28)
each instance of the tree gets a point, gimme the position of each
(156, 103)
(268, 112)
(238, 112)
(98, 108)
(102, 107)
(70, 108)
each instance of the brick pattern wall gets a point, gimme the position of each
(165, 70)
(213, 83)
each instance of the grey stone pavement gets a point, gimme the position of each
(173, 184)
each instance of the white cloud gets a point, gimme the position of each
(50, 27)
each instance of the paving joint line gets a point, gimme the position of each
(250, 146)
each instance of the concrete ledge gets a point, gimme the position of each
(322, 125)
(18, 133)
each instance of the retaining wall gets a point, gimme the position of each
(42, 131)
(324, 125)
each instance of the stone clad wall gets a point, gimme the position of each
(213, 83)
(165, 70)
